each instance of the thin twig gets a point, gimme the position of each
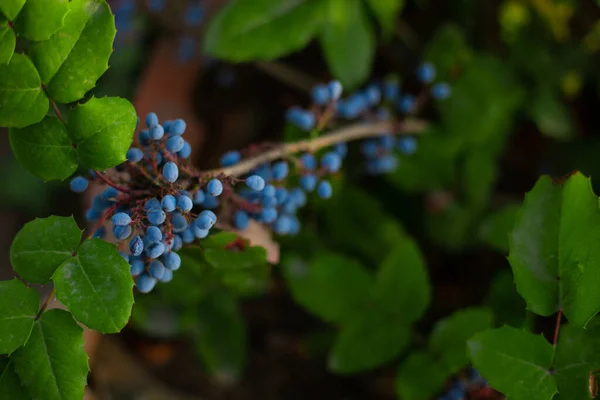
(45, 305)
(557, 327)
(110, 183)
(353, 132)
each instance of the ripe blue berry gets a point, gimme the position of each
(426, 72)
(157, 269)
(170, 172)
(268, 191)
(301, 118)
(331, 161)
(172, 261)
(407, 145)
(156, 216)
(335, 89)
(268, 215)
(441, 91)
(353, 107)
(391, 90)
(185, 203)
(136, 246)
(151, 120)
(145, 283)
(372, 95)
(155, 250)
(298, 196)
(177, 243)
(230, 158)
(241, 220)
(121, 219)
(206, 219)
(341, 149)
(281, 194)
(308, 182)
(214, 187)
(320, 94)
(185, 151)
(179, 223)
(134, 155)
(407, 104)
(137, 267)
(255, 182)
(100, 233)
(282, 225)
(194, 15)
(280, 170)
(167, 276)
(324, 190)
(269, 201)
(178, 127)
(144, 137)
(122, 232)
(308, 161)
(153, 234)
(156, 132)
(175, 144)
(187, 236)
(78, 184)
(200, 233)
(199, 197)
(168, 203)
(152, 203)
(93, 215)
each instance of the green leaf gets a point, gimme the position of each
(420, 377)
(262, 29)
(96, 286)
(219, 240)
(386, 12)
(8, 40)
(39, 19)
(220, 336)
(42, 245)
(73, 59)
(496, 226)
(18, 308)
(11, 8)
(45, 149)
(102, 129)
(551, 115)
(10, 384)
(22, 100)
(504, 300)
(332, 287)
(402, 284)
(566, 217)
(449, 337)
(515, 362)
(53, 364)
(348, 42)
(480, 170)
(447, 49)
(368, 340)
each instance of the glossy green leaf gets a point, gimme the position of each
(96, 286)
(193, 281)
(402, 285)
(11, 8)
(10, 383)
(45, 149)
(368, 340)
(332, 286)
(551, 115)
(22, 100)
(53, 364)
(18, 308)
(220, 336)
(262, 29)
(420, 377)
(102, 129)
(348, 41)
(449, 337)
(496, 226)
(386, 12)
(8, 40)
(566, 217)
(42, 245)
(73, 59)
(503, 298)
(479, 173)
(447, 50)
(515, 362)
(219, 240)
(39, 19)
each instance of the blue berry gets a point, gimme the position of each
(301, 118)
(426, 72)
(199, 197)
(353, 107)
(158, 158)
(78, 184)
(335, 90)
(155, 250)
(214, 187)
(156, 132)
(194, 15)
(144, 137)
(241, 220)
(341, 149)
(269, 201)
(153, 234)
(369, 148)
(177, 243)
(320, 94)
(441, 91)
(210, 202)
(255, 182)
(185, 151)
(298, 196)
(281, 194)
(282, 225)
(100, 233)
(200, 233)
(269, 191)
(168, 203)
(308, 182)
(170, 172)
(152, 203)
(145, 283)
(136, 246)
(268, 215)
(391, 90)
(407, 104)
(185, 203)
(230, 158)
(151, 120)
(179, 223)
(308, 161)
(134, 155)
(172, 261)
(372, 95)
(121, 219)
(167, 276)
(324, 190)
(280, 170)
(178, 127)
(174, 144)
(331, 161)
(383, 164)
(93, 215)
(407, 145)
(137, 267)
(187, 236)
(157, 269)
(124, 255)
(206, 219)
(156, 216)
(122, 232)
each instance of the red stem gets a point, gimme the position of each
(110, 183)
(557, 327)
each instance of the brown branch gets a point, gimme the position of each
(557, 327)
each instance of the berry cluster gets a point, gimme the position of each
(470, 386)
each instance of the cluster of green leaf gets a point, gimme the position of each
(268, 29)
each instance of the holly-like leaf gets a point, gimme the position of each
(8, 40)
(509, 308)
(73, 59)
(348, 41)
(39, 19)
(246, 30)
(496, 226)
(11, 8)
(22, 100)
(331, 286)
(420, 377)
(102, 129)
(45, 149)
(42, 245)
(566, 217)
(53, 364)
(449, 337)
(10, 384)
(515, 362)
(386, 12)
(402, 284)
(368, 340)
(96, 286)
(18, 309)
